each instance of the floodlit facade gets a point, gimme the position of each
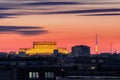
(63, 50)
(43, 48)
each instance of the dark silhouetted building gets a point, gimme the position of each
(81, 50)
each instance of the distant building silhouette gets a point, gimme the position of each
(60, 67)
(81, 50)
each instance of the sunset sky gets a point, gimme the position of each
(68, 22)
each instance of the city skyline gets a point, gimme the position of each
(69, 23)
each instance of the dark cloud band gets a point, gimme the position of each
(23, 30)
(48, 7)
(84, 11)
(5, 8)
(107, 14)
(50, 3)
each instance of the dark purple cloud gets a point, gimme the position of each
(106, 14)
(9, 15)
(14, 8)
(50, 3)
(84, 11)
(6, 8)
(23, 30)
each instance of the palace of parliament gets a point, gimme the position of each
(43, 48)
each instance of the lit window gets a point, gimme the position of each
(33, 75)
(93, 68)
(37, 75)
(49, 75)
(30, 74)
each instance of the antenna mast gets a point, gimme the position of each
(96, 47)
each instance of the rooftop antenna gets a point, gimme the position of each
(111, 47)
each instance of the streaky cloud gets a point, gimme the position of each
(106, 14)
(6, 8)
(84, 11)
(11, 15)
(3, 16)
(33, 32)
(6, 15)
(50, 3)
(23, 30)
(81, 12)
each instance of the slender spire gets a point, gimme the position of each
(111, 47)
(96, 47)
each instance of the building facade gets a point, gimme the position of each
(43, 48)
(81, 50)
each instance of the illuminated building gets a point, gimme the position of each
(63, 50)
(23, 49)
(43, 45)
(43, 48)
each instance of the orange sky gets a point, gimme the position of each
(67, 29)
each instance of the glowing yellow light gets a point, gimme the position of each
(23, 49)
(96, 49)
(63, 50)
(43, 48)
